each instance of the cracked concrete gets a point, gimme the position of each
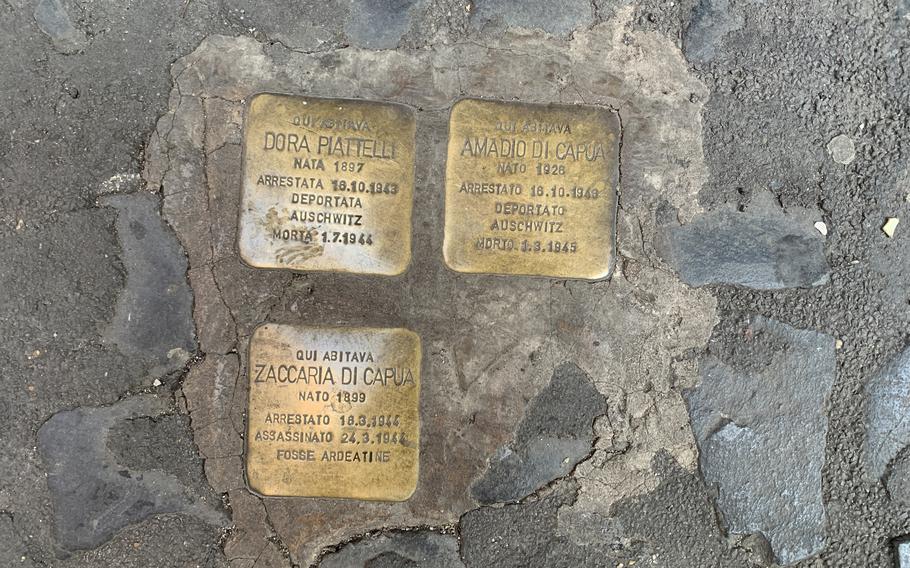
(193, 159)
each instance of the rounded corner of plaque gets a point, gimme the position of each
(246, 259)
(253, 486)
(260, 329)
(459, 102)
(401, 267)
(410, 333)
(449, 262)
(408, 492)
(261, 94)
(407, 111)
(607, 271)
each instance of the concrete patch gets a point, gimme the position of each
(759, 420)
(793, 76)
(251, 541)
(215, 396)
(492, 344)
(555, 434)
(94, 494)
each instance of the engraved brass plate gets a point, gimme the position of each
(531, 189)
(333, 412)
(328, 184)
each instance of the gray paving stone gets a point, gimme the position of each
(94, 493)
(711, 21)
(897, 477)
(887, 428)
(146, 443)
(762, 247)
(380, 24)
(760, 424)
(557, 18)
(555, 434)
(398, 549)
(902, 551)
(153, 319)
(53, 19)
(310, 26)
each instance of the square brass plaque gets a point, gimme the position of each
(328, 184)
(333, 412)
(531, 189)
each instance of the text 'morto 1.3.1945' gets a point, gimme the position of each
(531, 189)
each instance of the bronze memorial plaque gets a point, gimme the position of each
(531, 189)
(333, 412)
(328, 184)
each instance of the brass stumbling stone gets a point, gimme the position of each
(333, 412)
(531, 189)
(328, 185)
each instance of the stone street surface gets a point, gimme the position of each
(736, 394)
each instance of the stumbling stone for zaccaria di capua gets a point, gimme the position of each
(333, 412)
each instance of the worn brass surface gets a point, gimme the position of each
(328, 184)
(333, 412)
(531, 189)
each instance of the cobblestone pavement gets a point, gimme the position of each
(734, 396)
